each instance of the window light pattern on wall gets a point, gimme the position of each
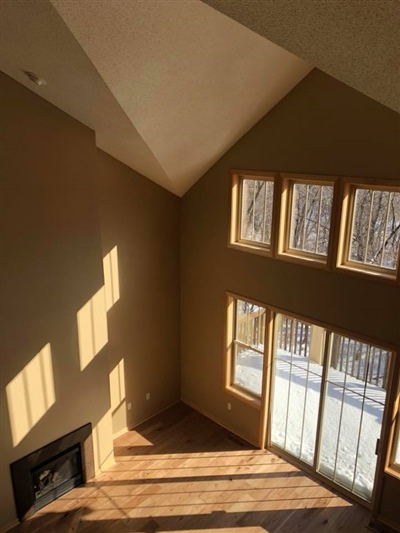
(92, 317)
(30, 394)
(92, 328)
(111, 277)
(117, 385)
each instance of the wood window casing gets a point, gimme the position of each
(348, 198)
(236, 240)
(263, 403)
(232, 341)
(336, 257)
(284, 250)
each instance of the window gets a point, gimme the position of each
(371, 229)
(306, 219)
(252, 213)
(326, 222)
(246, 339)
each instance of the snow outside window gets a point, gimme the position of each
(248, 347)
(375, 229)
(256, 211)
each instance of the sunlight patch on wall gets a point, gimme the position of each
(30, 394)
(92, 328)
(117, 385)
(103, 443)
(111, 277)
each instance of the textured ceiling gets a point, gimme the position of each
(168, 86)
(355, 41)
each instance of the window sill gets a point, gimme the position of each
(393, 471)
(367, 274)
(250, 248)
(317, 262)
(245, 397)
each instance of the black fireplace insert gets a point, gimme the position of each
(48, 473)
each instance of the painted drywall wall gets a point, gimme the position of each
(90, 279)
(140, 226)
(52, 380)
(324, 127)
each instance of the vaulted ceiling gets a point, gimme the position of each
(169, 85)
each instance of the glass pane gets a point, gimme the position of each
(256, 216)
(375, 230)
(310, 217)
(297, 378)
(349, 432)
(280, 401)
(372, 416)
(353, 411)
(311, 412)
(248, 366)
(330, 429)
(250, 324)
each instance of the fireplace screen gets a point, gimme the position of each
(55, 477)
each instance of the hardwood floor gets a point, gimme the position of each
(181, 472)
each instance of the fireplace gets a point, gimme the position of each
(48, 473)
(57, 476)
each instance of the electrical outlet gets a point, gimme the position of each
(229, 406)
(129, 406)
(148, 396)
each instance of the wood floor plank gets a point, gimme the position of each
(180, 472)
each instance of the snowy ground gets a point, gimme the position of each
(363, 406)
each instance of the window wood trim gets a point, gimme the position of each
(341, 217)
(348, 192)
(234, 240)
(284, 251)
(231, 388)
(391, 467)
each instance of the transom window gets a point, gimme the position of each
(327, 222)
(256, 210)
(374, 229)
(310, 218)
(252, 221)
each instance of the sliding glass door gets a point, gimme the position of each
(297, 378)
(328, 396)
(353, 407)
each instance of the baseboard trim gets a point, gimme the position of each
(9, 526)
(136, 424)
(217, 421)
(384, 526)
(120, 432)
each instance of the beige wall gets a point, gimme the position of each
(66, 206)
(54, 237)
(324, 127)
(142, 220)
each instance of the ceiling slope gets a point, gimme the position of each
(168, 86)
(191, 80)
(355, 41)
(35, 38)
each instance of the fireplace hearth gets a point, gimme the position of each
(46, 474)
